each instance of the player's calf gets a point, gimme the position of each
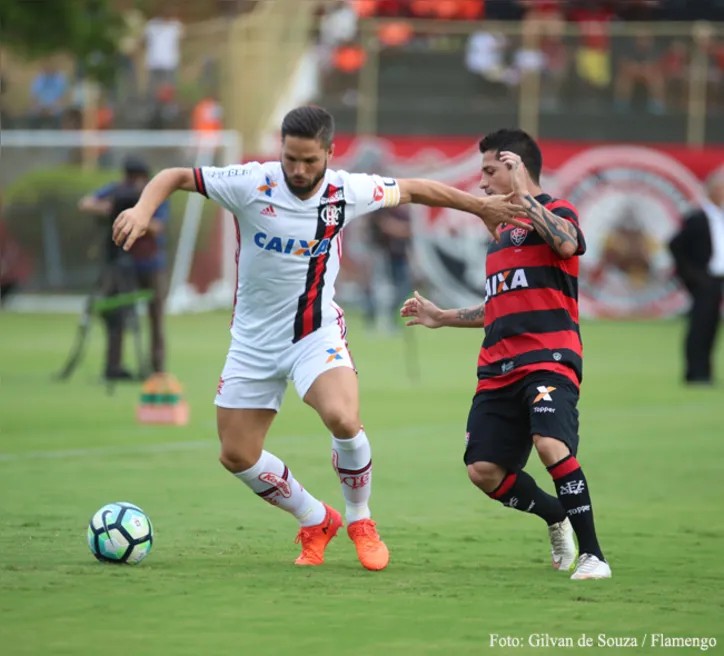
(516, 490)
(242, 435)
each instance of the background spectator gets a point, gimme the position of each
(163, 56)
(49, 91)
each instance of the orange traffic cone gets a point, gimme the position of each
(162, 401)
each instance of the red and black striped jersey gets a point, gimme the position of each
(531, 306)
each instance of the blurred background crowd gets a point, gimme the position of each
(412, 84)
(449, 60)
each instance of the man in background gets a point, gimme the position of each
(49, 91)
(388, 282)
(148, 269)
(698, 250)
(15, 266)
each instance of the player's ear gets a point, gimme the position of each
(330, 151)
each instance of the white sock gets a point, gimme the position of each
(272, 480)
(352, 460)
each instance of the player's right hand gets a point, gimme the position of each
(422, 311)
(129, 226)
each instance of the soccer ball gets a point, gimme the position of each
(120, 533)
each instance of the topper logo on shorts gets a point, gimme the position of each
(544, 393)
(288, 246)
(277, 482)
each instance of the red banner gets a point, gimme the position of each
(630, 200)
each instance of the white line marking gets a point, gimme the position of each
(167, 447)
(445, 429)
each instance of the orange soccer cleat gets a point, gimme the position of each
(371, 551)
(315, 539)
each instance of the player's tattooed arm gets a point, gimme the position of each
(472, 317)
(423, 312)
(559, 233)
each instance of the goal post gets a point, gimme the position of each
(44, 173)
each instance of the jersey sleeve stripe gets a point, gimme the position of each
(200, 183)
(566, 213)
(563, 209)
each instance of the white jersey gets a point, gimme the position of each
(288, 249)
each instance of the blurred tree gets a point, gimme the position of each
(88, 29)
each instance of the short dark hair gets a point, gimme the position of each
(135, 166)
(309, 122)
(518, 142)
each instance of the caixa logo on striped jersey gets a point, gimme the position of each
(289, 246)
(505, 281)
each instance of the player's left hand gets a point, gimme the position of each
(518, 178)
(421, 312)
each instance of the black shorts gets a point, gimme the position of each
(502, 422)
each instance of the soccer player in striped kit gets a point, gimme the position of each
(530, 363)
(286, 326)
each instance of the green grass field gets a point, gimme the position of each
(220, 578)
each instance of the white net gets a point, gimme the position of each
(57, 250)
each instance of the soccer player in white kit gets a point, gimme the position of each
(286, 326)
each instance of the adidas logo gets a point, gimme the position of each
(268, 211)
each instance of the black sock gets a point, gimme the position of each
(521, 492)
(572, 490)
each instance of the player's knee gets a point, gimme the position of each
(550, 450)
(485, 475)
(342, 422)
(237, 457)
(237, 461)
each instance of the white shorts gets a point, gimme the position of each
(255, 378)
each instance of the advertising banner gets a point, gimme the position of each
(630, 200)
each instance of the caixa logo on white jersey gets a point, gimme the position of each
(630, 200)
(290, 246)
(505, 281)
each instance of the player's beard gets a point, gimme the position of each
(308, 188)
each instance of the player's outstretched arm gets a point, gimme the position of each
(493, 210)
(423, 312)
(134, 223)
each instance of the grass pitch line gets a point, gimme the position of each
(168, 447)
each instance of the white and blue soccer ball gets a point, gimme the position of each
(120, 533)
